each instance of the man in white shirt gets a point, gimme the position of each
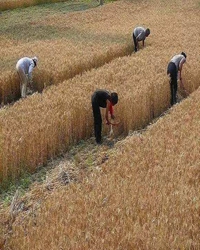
(174, 67)
(24, 68)
(140, 34)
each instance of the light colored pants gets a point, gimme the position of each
(23, 81)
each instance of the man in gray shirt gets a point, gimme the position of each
(174, 67)
(139, 34)
(24, 68)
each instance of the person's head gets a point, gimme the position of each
(114, 98)
(147, 32)
(35, 60)
(183, 54)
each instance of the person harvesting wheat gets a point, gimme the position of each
(24, 68)
(140, 34)
(174, 71)
(103, 99)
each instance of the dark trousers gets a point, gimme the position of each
(97, 120)
(135, 43)
(172, 71)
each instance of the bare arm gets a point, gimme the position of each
(183, 87)
(31, 67)
(180, 76)
(107, 111)
(180, 68)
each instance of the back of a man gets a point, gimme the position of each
(139, 34)
(24, 69)
(174, 71)
(26, 64)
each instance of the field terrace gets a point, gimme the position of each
(45, 125)
(146, 195)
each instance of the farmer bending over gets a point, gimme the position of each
(103, 99)
(24, 68)
(140, 34)
(174, 67)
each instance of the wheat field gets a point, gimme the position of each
(42, 126)
(146, 195)
(67, 45)
(64, 48)
(13, 4)
(45, 125)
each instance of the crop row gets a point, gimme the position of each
(44, 125)
(146, 195)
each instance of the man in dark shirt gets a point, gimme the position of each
(103, 99)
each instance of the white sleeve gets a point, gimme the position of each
(183, 60)
(31, 67)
